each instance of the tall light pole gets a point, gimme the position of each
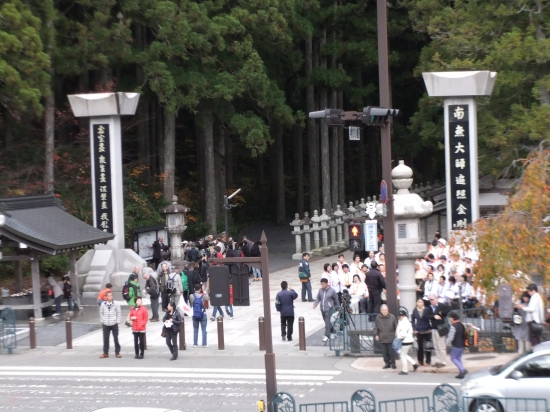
(385, 136)
(227, 207)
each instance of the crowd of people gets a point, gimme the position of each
(173, 287)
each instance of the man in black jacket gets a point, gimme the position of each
(192, 253)
(284, 303)
(375, 284)
(437, 313)
(158, 247)
(306, 286)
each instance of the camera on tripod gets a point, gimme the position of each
(346, 301)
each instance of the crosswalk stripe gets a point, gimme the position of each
(171, 370)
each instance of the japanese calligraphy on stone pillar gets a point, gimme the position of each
(101, 156)
(459, 140)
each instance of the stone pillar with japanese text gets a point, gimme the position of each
(459, 90)
(103, 264)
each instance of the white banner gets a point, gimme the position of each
(370, 229)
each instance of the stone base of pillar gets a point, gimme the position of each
(297, 256)
(316, 251)
(341, 245)
(326, 251)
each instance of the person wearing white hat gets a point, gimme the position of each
(442, 248)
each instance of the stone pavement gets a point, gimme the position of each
(242, 331)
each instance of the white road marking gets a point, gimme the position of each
(393, 383)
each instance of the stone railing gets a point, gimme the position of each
(329, 229)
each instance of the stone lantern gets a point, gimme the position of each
(175, 225)
(408, 209)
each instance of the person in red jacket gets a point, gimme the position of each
(139, 317)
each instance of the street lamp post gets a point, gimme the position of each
(227, 206)
(175, 225)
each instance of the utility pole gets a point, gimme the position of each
(385, 136)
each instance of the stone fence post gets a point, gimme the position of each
(296, 223)
(306, 221)
(339, 220)
(316, 228)
(325, 249)
(332, 225)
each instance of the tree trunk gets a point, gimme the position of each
(49, 137)
(334, 155)
(169, 154)
(279, 147)
(144, 154)
(372, 146)
(220, 167)
(160, 138)
(362, 169)
(229, 160)
(153, 145)
(325, 155)
(200, 162)
(341, 177)
(313, 142)
(544, 94)
(210, 207)
(299, 166)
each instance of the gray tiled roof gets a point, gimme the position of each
(41, 223)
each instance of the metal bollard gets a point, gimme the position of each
(32, 333)
(69, 332)
(144, 340)
(183, 346)
(261, 329)
(221, 344)
(302, 332)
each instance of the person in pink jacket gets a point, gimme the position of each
(139, 317)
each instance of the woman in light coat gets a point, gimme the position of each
(404, 332)
(521, 331)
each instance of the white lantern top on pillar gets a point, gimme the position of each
(104, 104)
(456, 84)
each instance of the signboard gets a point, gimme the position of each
(371, 235)
(459, 145)
(145, 240)
(354, 133)
(101, 158)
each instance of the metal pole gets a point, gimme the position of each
(261, 332)
(270, 368)
(69, 332)
(32, 333)
(183, 346)
(385, 136)
(302, 332)
(221, 344)
(144, 340)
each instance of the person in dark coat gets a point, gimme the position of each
(158, 247)
(284, 303)
(422, 330)
(172, 321)
(385, 326)
(306, 286)
(192, 253)
(375, 284)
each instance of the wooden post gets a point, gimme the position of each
(182, 345)
(302, 332)
(32, 333)
(221, 343)
(36, 297)
(69, 332)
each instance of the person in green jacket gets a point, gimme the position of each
(185, 286)
(133, 291)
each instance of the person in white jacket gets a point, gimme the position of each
(534, 313)
(404, 332)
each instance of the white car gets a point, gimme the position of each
(505, 388)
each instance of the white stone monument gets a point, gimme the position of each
(461, 162)
(408, 209)
(111, 262)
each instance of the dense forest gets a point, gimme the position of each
(226, 86)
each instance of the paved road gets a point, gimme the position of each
(50, 381)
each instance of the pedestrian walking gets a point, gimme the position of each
(57, 293)
(255, 251)
(185, 283)
(521, 328)
(455, 339)
(172, 321)
(199, 301)
(68, 293)
(404, 333)
(327, 299)
(375, 284)
(305, 277)
(133, 289)
(102, 296)
(437, 313)
(423, 332)
(284, 303)
(138, 317)
(152, 289)
(535, 314)
(109, 313)
(385, 326)
(173, 287)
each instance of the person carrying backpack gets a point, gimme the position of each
(173, 287)
(133, 290)
(199, 302)
(455, 338)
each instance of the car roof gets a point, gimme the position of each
(544, 346)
